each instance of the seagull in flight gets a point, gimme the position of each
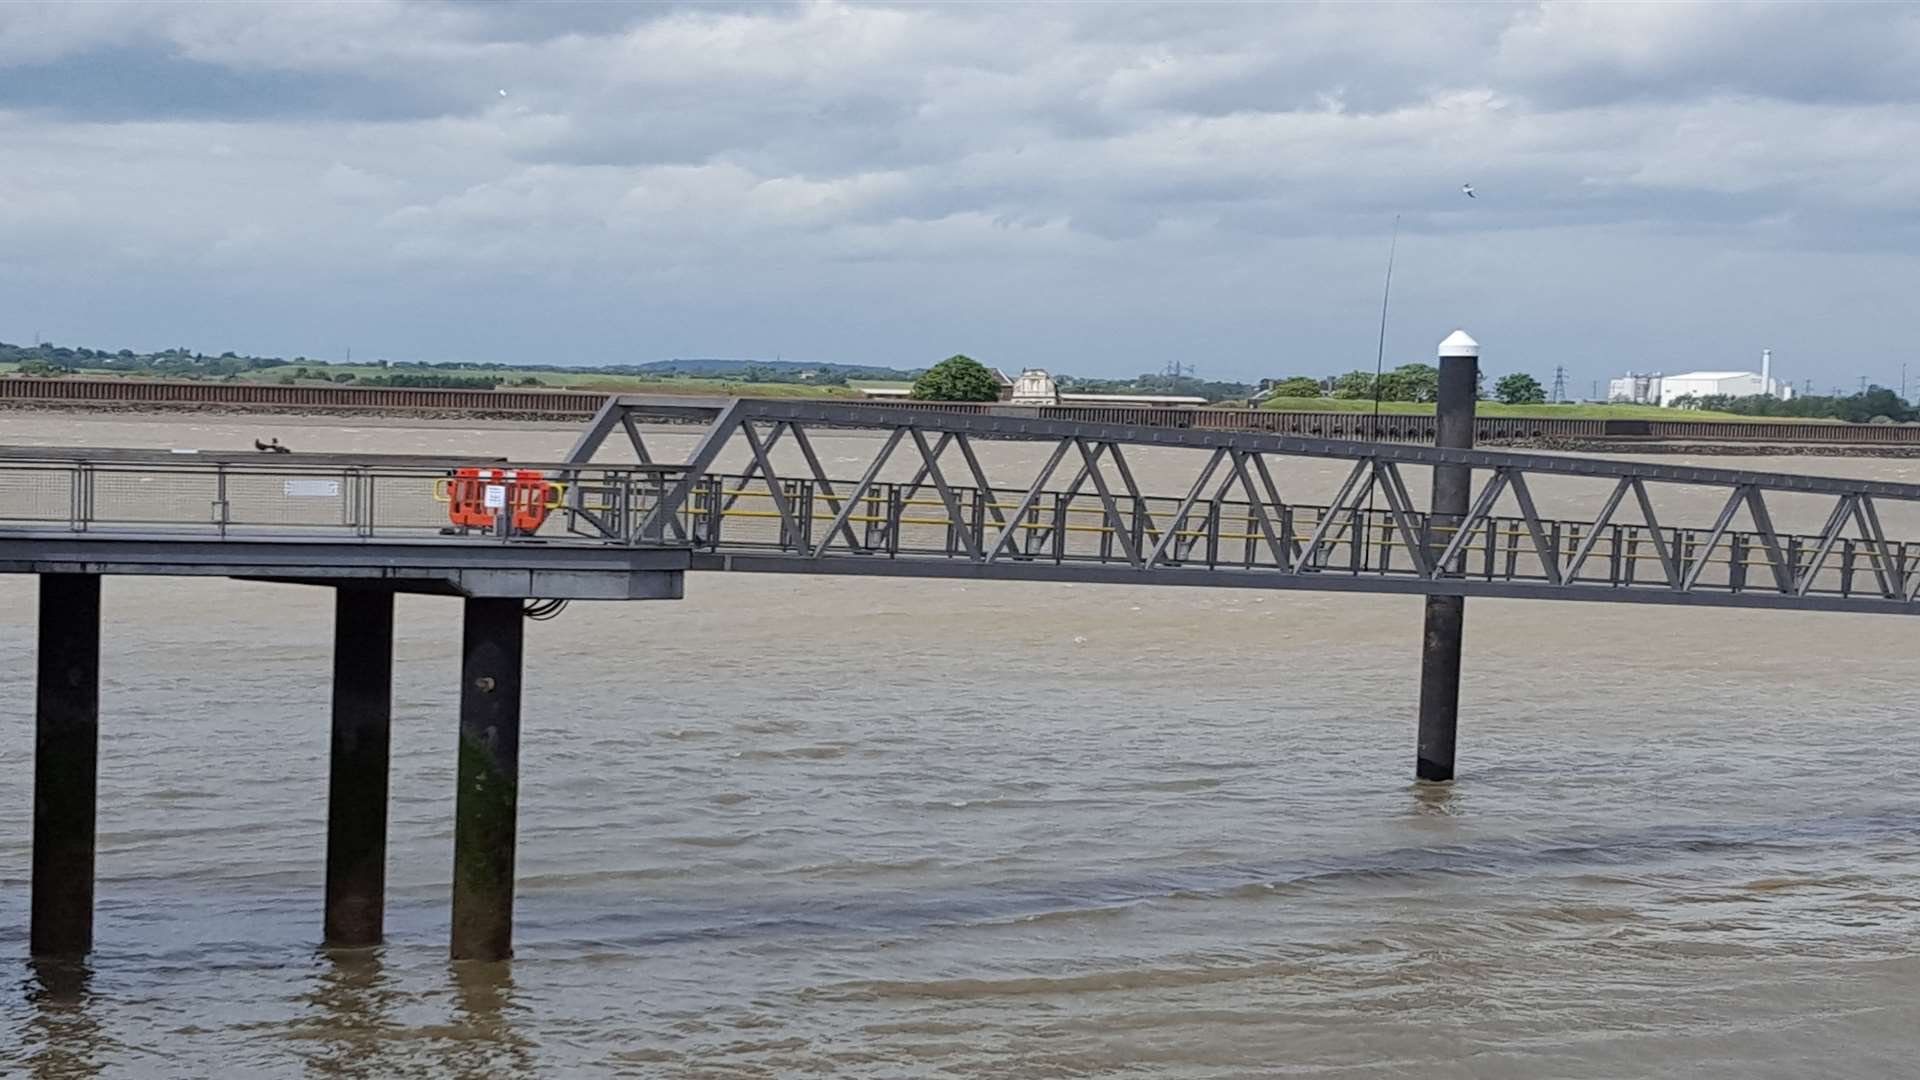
(1467, 189)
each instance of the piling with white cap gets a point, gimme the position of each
(1446, 615)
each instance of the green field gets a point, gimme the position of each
(1545, 412)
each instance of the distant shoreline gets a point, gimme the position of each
(412, 417)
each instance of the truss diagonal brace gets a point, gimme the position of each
(780, 502)
(1713, 538)
(753, 467)
(1769, 540)
(1892, 576)
(860, 490)
(1122, 531)
(1397, 506)
(1147, 526)
(954, 518)
(820, 480)
(1186, 506)
(699, 463)
(633, 436)
(1079, 481)
(1660, 549)
(1259, 510)
(1829, 536)
(1542, 546)
(1362, 477)
(1290, 547)
(1026, 501)
(980, 481)
(1593, 531)
(1482, 506)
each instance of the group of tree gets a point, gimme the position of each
(414, 380)
(957, 378)
(1408, 382)
(1213, 390)
(962, 378)
(1875, 404)
(48, 358)
(778, 371)
(1519, 388)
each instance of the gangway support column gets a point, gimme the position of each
(486, 805)
(66, 756)
(1446, 615)
(357, 783)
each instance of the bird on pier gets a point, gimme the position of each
(1467, 190)
(272, 447)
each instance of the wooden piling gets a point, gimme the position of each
(486, 805)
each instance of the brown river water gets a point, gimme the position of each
(863, 827)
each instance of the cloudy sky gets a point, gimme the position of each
(1095, 188)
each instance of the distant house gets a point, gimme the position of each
(1035, 387)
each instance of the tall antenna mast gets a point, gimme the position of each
(1380, 352)
(1559, 383)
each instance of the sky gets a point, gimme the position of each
(1098, 189)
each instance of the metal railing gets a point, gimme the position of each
(740, 514)
(271, 497)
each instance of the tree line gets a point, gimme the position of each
(1408, 382)
(1874, 404)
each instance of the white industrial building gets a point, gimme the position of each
(1636, 389)
(1659, 389)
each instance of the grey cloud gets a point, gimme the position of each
(1093, 173)
(135, 83)
(1566, 55)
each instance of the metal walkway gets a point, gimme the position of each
(1080, 515)
(930, 493)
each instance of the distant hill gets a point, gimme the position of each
(188, 363)
(711, 368)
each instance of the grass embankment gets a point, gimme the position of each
(1545, 412)
(586, 380)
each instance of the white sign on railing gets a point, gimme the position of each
(496, 496)
(313, 488)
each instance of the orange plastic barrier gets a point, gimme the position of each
(525, 495)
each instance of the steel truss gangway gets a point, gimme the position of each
(925, 492)
(927, 502)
